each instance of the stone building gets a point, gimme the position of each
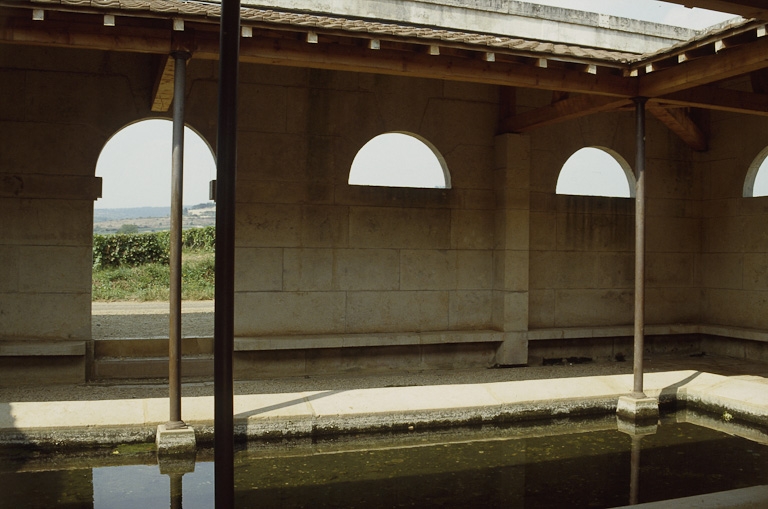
(495, 269)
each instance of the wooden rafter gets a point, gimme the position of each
(678, 121)
(293, 52)
(703, 71)
(759, 81)
(559, 111)
(162, 95)
(722, 99)
(671, 80)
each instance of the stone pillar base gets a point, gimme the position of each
(175, 441)
(513, 351)
(638, 408)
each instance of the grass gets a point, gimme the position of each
(151, 281)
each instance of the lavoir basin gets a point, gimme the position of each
(593, 462)
(397, 445)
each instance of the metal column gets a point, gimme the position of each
(177, 186)
(224, 316)
(639, 247)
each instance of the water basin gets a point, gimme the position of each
(567, 463)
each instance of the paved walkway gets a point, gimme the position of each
(149, 308)
(94, 413)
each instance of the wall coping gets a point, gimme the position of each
(41, 347)
(301, 342)
(650, 330)
(55, 347)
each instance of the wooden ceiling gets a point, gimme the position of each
(678, 80)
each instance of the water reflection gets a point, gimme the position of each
(131, 486)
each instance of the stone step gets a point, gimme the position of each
(138, 368)
(149, 347)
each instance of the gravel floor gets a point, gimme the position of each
(112, 320)
(151, 320)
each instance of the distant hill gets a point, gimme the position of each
(101, 215)
(152, 218)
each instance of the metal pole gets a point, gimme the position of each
(177, 186)
(177, 488)
(224, 316)
(639, 247)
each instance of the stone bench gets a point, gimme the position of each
(42, 361)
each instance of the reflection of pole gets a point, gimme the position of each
(224, 314)
(177, 180)
(176, 490)
(639, 247)
(634, 476)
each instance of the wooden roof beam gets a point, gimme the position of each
(560, 111)
(721, 99)
(162, 92)
(705, 70)
(678, 121)
(297, 53)
(422, 65)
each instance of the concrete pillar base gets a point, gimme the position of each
(175, 441)
(638, 408)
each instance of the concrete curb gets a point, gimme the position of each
(392, 408)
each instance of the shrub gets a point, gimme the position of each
(143, 248)
(128, 228)
(199, 238)
(131, 250)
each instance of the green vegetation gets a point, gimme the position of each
(135, 267)
(128, 228)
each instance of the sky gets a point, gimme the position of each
(646, 10)
(136, 163)
(135, 166)
(593, 172)
(417, 163)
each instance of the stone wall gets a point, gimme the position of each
(316, 256)
(582, 248)
(333, 276)
(735, 229)
(59, 107)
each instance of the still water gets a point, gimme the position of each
(585, 463)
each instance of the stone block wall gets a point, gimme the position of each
(317, 256)
(58, 110)
(582, 247)
(499, 251)
(735, 229)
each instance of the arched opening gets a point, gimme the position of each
(399, 159)
(756, 183)
(596, 171)
(135, 166)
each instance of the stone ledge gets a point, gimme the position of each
(41, 348)
(248, 344)
(650, 330)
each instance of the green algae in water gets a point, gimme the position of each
(530, 466)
